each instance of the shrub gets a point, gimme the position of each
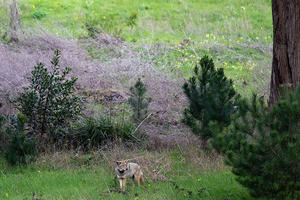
(263, 147)
(49, 102)
(108, 24)
(92, 30)
(2, 132)
(131, 21)
(39, 14)
(20, 149)
(138, 101)
(94, 132)
(211, 98)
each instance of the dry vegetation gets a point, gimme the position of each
(106, 82)
(157, 165)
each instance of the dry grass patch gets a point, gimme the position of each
(157, 165)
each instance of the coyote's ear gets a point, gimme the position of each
(118, 162)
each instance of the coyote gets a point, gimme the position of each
(126, 170)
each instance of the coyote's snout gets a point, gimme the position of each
(125, 170)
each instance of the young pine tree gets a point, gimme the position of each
(139, 102)
(49, 102)
(211, 96)
(263, 147)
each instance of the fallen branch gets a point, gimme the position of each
(141, 124)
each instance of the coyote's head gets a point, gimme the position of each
(122, 166)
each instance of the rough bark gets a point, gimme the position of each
(286, 46)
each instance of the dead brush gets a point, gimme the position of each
(119, 73)
(202, 159)
(69, 160)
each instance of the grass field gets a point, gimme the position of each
(152, 21)
(97, 182)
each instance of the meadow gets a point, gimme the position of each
(171, 35)
(90, 177)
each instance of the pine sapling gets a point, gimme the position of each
(263, 146)
(211, 98)
(139, 102)
(50, 102)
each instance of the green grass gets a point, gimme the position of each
(94, 183)
(157, 20)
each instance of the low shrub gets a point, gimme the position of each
(39, 14)
(3, 137)
(20, 149)
(131, 21)
(91, 132)
(91, 29)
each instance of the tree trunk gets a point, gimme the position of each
(286, 46)
(15, 24)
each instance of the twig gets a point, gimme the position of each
(141, 124)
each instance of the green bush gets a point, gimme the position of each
(49, 102)
(131, 21)
(211, 98)
(92, 132)
(39, 14)
(138, 101)
(263, 147)
(20, 149)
